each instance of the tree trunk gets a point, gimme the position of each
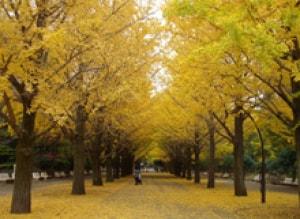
(263, 161)
(97, 178)
(189, 164)
(97, 175)
(108, 162)
(78, 187)
(21, 200)
(197, 164)
(212, 145)
(197, 157)
(263, 170)
(296, 117)
(297, 142)
(239, 175)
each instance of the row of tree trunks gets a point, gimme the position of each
(238, 141)
(180, 168)
(177, 166)
(183, 167)
(119, 165)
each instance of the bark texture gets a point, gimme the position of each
(78, 187)
(239, 175)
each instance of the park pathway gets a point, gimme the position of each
(161, 196)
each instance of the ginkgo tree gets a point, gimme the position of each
(48, 67)
(255, 43)
(101, 82)
(32, 49)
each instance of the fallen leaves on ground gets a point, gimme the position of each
(158, 197)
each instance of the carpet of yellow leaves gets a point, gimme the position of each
(279, 205)
(160, 196)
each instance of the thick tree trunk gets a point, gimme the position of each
(295, 84)
(78, 187)
(239, 175)
(21, 200)
(109, 163)
(211, 168)
(296, 115)
(297, 142)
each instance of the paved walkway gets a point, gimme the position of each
(7, 188)
(155, 195)
(167, 197)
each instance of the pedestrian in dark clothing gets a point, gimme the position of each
(137, 174)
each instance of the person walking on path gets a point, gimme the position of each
(137, 173)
